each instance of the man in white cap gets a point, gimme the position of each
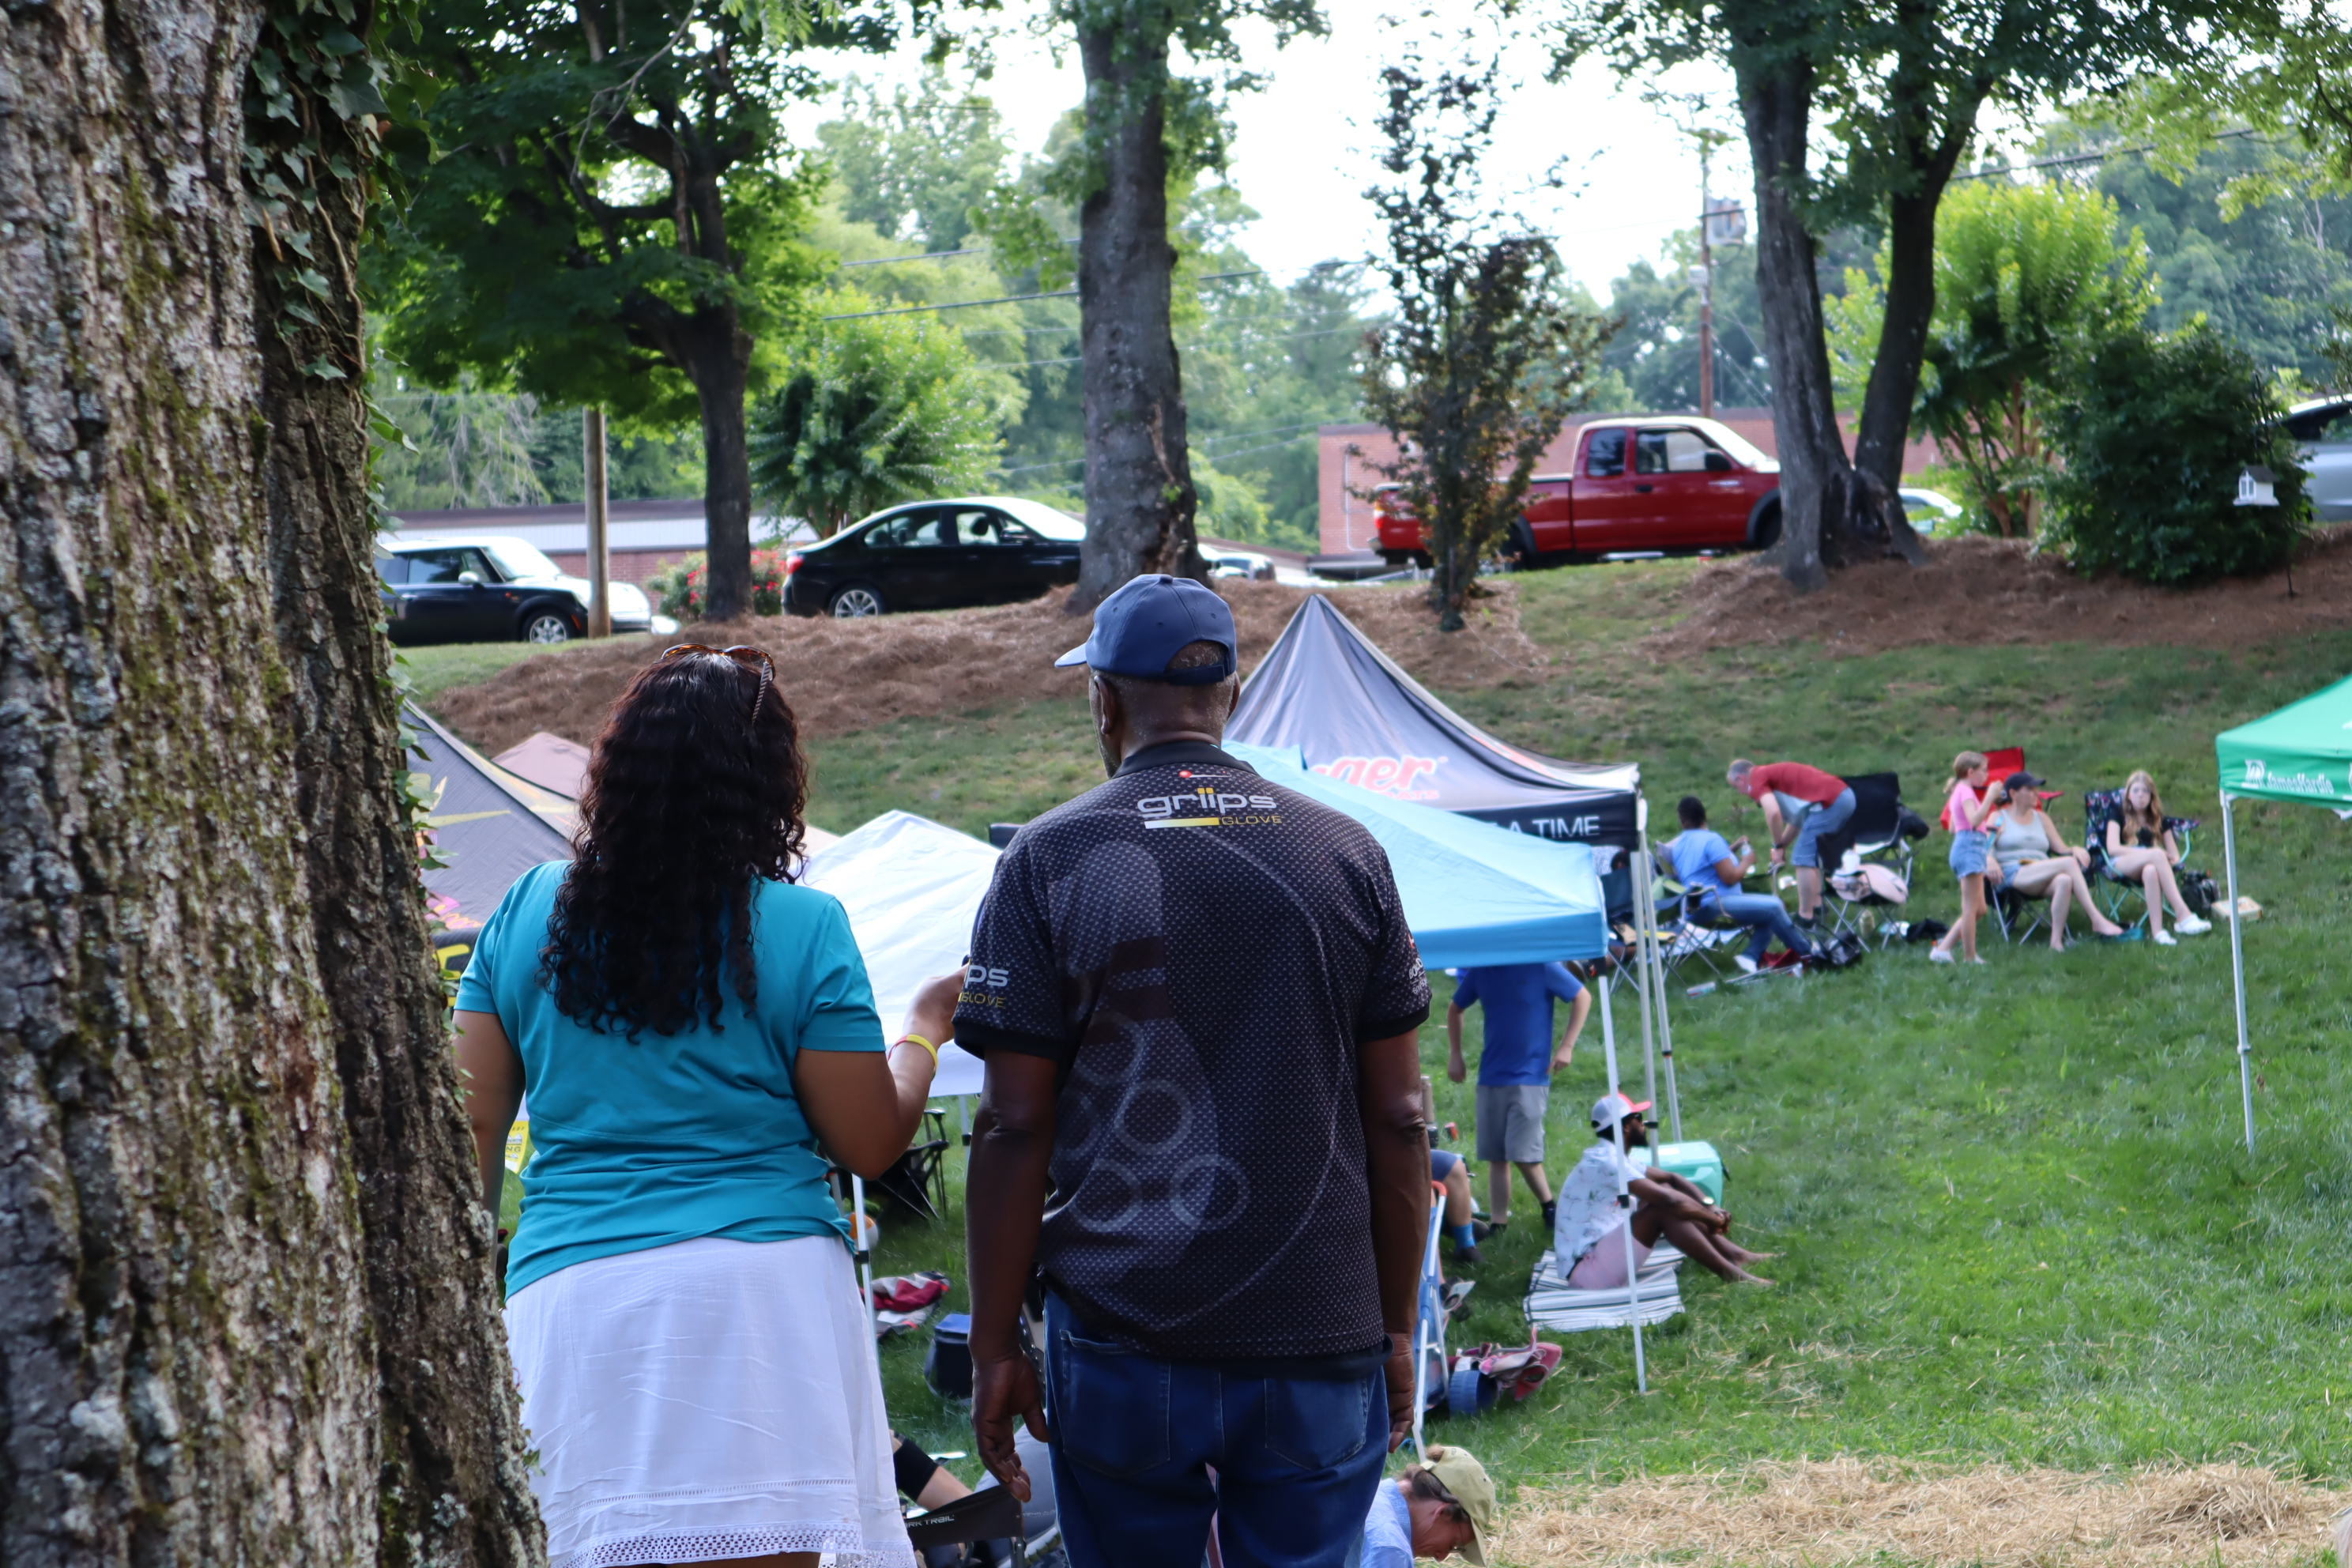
(1589, 1239)
(1431, 1510)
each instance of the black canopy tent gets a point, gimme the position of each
(489, 825)
(1326, 689)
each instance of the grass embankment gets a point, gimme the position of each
(434, 668)
(2018, 1222)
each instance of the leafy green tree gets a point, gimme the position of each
(1900, 84)
(878, 410)
(1484, 357)
(461, 447)
(612, 216)
(2154, 434)
(2027, 278)
(917, 167)
(1146, 129)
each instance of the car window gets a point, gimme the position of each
(1669, 452)
(1686, 452)
(914, 530)
(977, 525)
(448, 565)
(2339, 429)
(393, 569)
(1604, 455)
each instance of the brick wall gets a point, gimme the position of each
(628, 565)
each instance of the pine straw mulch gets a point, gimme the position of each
(844, 676)
(1976, 591)
(1815, 1515)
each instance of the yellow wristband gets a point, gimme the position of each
(926, 1044)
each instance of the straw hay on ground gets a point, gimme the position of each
(1844, 1510)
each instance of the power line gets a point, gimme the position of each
(916, 255)
(2086, 158)
(1012, 298)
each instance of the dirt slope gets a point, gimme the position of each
(841, 675)
(1976, 591)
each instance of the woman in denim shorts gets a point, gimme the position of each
(1966, 805)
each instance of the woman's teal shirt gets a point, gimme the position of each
(638, 1144)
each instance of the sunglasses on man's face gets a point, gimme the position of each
(741, 654)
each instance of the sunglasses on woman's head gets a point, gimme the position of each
(741, 654)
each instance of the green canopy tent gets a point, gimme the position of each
(2302, 753)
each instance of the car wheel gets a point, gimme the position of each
(1768, 529)
(856, 602)
(546, 627)
(1523, 553)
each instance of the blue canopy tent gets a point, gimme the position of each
(1474, 894)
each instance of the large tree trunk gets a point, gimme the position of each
(186, 1371)
(1139, 495)
(720, 361)
(450, 1480)
(244, 1307)
(1776, 91)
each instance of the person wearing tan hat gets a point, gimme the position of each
(1432, 1510)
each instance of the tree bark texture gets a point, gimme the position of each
(707, 341)
(244, 1307)
(184, 1354)
(450, 1484)
(1776, 92)
(1139, 496)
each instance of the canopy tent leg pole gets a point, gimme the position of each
(1624, 1193)
(1643, 915)
(858, 1233)
(1657, 979)
(2238, 965)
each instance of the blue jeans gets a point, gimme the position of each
(1820, 823)
(1297, 1460)
(1765, 916)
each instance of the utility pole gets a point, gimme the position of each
(600, 552)
(1705, 284)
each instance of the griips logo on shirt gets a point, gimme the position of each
(979, 980)
(1207, 807)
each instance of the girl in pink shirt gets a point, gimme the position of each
(1967, 802)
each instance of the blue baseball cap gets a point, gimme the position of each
(1143, 626)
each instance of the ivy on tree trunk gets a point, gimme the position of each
(247, 1312)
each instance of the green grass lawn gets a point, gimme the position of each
(434, 668)
(2018, 1221)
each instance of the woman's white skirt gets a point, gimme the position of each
(706, 1400)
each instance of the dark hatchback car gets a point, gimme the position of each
(936, 555)
(493, 588)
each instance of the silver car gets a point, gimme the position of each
(2322, 429)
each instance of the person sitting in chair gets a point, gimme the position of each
(1712, 871)
(1590, 1243)
(2035, 862)
(1431, 1510)
(1802, 805)
(2141, 848)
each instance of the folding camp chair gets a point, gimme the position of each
(1687, 932)
(918, 1180)
(992, 1513)
(2019, 919)
(1879, 832)
(2101, 806)
(1553, 1303)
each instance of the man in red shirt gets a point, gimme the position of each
(1802, 805)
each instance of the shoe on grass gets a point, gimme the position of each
(1468, 1255)
(2165, 939)
(1552, 1213)
(1746, 965)
(1941, 955)
(2192, 925)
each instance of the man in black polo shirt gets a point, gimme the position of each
(1199, 1004)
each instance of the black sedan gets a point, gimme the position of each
(493, 588)
(936, 555)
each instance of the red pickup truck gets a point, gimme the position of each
(1639, 485)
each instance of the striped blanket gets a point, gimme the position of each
(1551, 1304)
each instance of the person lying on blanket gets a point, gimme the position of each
(1589, 1238)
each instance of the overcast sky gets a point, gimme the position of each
(1302, 156)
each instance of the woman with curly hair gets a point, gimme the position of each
(698, 1374)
